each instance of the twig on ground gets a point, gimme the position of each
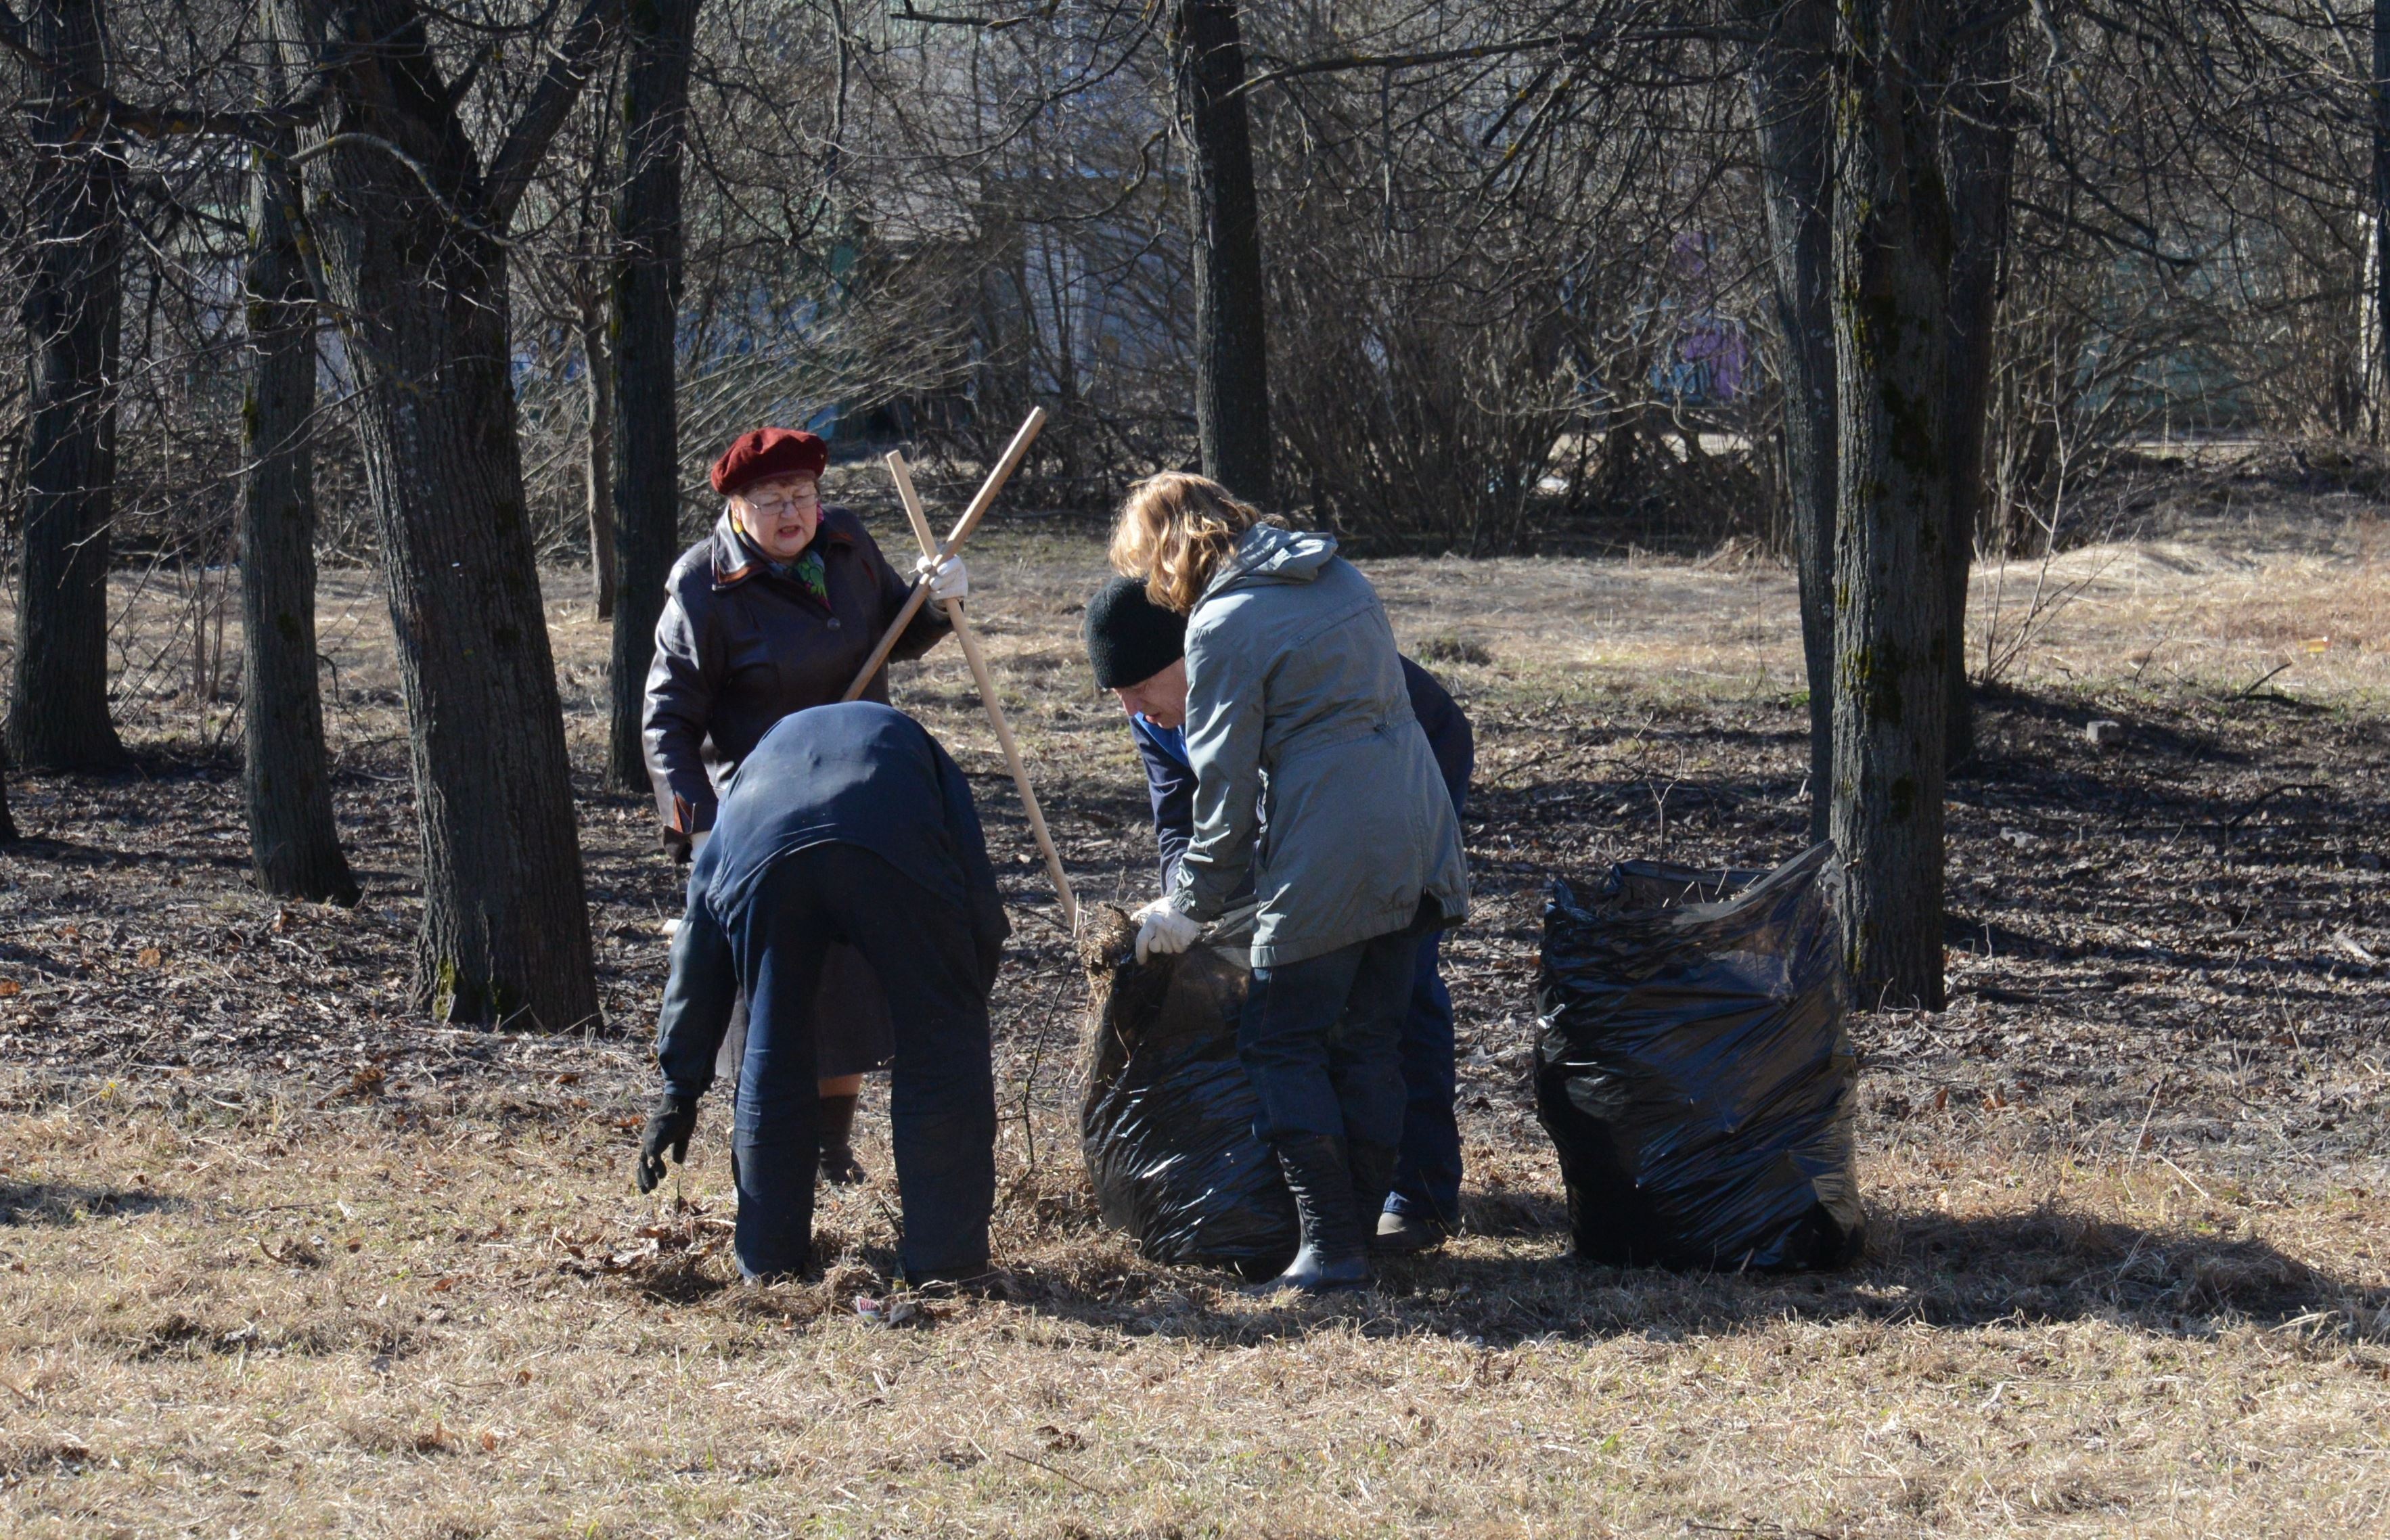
(2141, 1139)
(2224, 829)
(1057, 1470)
(2188, 1178)
(2253, 686)
(1029, 1077)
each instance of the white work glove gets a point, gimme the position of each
(947, 580)
(1160, 927)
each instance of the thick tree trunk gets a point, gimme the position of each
(1891, 266)
(600, 458)
(1978, 152)
(1232, 425)
(2376, 371)
(1792, 86)
(647, 313)
(415, 267)
(293, 847)
(72, 310)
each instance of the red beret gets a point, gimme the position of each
(766, 454)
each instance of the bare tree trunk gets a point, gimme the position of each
(600, 460)
(293, 845)
(8, 835)
(1978, 153)
(2375, 373)
(414, 260)
(1792, 86)
(72, 313)
(646, 302)
(1892, 267)
(1232, 424)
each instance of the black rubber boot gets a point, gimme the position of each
(835, 1131)
(1335, 1252)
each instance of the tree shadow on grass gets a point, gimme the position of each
(73, 854)
(676, 1280)
(2042, 1265)
(1506, 1215)
(57, 1203)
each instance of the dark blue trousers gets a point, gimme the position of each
(1427, 1172)
(1321, 1041)
(941, 1102)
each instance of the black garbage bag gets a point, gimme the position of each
(1167, 1121)
(1663, 885)
(1694, 1071)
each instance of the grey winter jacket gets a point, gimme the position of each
(1295, 694)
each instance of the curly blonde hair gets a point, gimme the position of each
(1174, 531)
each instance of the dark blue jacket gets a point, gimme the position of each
(857, 774)
(1169, 779)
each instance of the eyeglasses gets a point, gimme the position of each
(778, 502)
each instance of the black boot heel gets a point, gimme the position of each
(1335, 1250)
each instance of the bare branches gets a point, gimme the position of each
(1555, 42)
(985, 23)
(102, 109)
(1516, 246)
(332, 143)
(571, 60)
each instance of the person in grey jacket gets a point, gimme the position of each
(1138, 651)
(1300, 730)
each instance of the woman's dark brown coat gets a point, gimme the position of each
(741, 647)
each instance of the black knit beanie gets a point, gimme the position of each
(1130, 638)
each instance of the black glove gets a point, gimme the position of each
(670, 1123)
(676, 845)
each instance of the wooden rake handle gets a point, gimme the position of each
(903, 475)
(1005, 467)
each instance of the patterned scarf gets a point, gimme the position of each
(806, 569)
(809, 569)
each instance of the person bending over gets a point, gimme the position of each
(847, 825)
(1298, 720)
(1138, 651)
(774, 611)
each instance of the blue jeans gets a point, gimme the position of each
(942, 1099)
(1321, 1039)
(1427, 1173)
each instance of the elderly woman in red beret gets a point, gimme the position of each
(775, 612)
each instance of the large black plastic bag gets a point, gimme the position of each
(1663, 885)
(1167, 1121)
(1694, 1071)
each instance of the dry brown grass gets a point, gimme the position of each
(276, 1259)
(229, 1312)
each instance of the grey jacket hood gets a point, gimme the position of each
(1267, 553)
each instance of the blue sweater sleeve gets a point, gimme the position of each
(1170, 782)
(1449, 736)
